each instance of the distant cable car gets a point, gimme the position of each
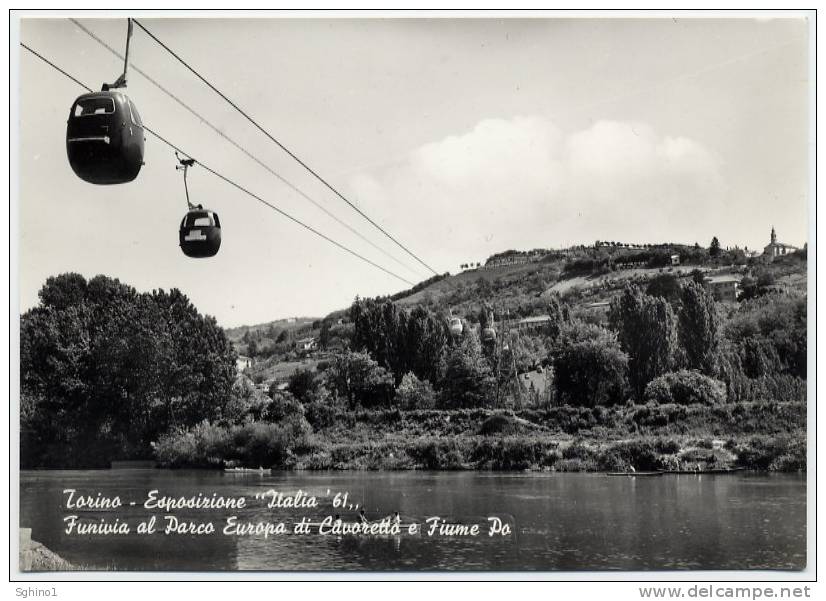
(104, 138)
(104, 133)
(488, 334)
(200, 233)
(456, 326)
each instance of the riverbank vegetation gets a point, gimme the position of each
(665, 377)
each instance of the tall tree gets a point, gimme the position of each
(559, 316)
(468, 380)
(589, 366)
(647, 330)
(665, 286)
(714, 248)
(399, 340)
(699, 329)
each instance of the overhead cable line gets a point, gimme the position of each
(230, 181)
(206, 122)
(280, 145)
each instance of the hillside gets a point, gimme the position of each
(585, 278)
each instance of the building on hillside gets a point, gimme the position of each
(532, 323)
(724, 288)
(243, 362)
(264, 386)
(306, 344)
(471, 265)
(777, 249)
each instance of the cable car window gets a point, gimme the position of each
(217, 223)
(133, 111)
(202, 222)
(101, 105)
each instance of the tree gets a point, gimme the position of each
(699, 329)
(468, 381)
(646, 328)
(714, 248)
(665, 286)
(590, 368)
(360, 380)
(559, 316)
(303, 385)
(109, 370)
(399, 340)
(775, 320)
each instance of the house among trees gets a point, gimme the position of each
(723, 288)
(532, 323)
(777, 249)
(242, 362)
(306, 344)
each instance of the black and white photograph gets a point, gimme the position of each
(466, 295)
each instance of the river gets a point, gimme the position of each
(560, 521)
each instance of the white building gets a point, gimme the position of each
(777, 249)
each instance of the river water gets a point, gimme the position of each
(559, 521)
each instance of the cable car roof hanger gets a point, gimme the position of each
(120, 82)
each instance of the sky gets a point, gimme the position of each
(459, 137)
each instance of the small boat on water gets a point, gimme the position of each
(641, 474)
(248, 470)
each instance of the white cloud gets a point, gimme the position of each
(523, 183)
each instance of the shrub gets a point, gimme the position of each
(577, 450)
(203, 445)
(667, 446)
(499, 424)
(321, 414)
(642, 455)
(414, 393)
(283, 406)
(250, 445)
(686, 388)
(436, 454)
(772, 453)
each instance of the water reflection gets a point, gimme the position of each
(560, 521)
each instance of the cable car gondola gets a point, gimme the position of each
(456, 326)
(104, 138)
(200, 233)
(104, 133)
(488, 335)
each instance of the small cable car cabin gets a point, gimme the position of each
(104, 138)
(456, 326)
(488, 334)
(200, 234)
